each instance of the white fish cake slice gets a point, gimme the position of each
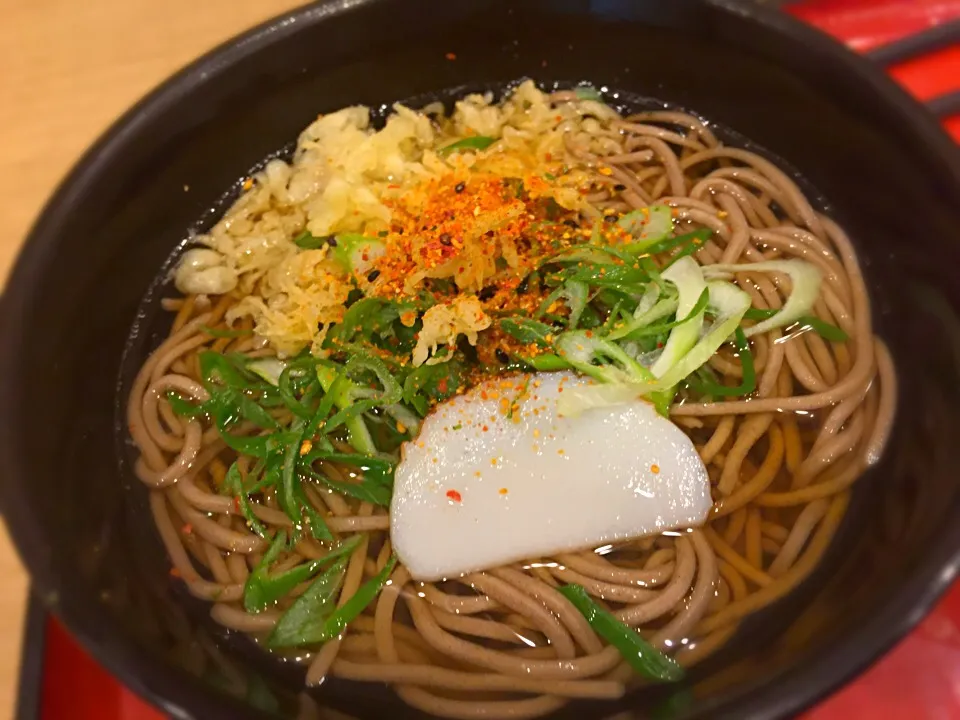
(484, 485)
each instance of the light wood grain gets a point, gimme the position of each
(67, 69)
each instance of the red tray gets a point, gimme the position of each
(919, 679)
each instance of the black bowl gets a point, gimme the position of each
(884, 170)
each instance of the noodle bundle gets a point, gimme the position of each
(510, 641)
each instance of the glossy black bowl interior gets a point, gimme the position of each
(884, 169)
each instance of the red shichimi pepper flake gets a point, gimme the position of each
(454, 496)
(503, 491)
(451, 56)
(187, 529)
(175, 572)
(236, 503)
(655, 469)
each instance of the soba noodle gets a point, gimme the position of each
(505, 642)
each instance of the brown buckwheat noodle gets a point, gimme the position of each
(505, 643)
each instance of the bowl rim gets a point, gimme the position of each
(840, 660)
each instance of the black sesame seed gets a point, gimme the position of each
(332, 241)
(460, 187)
(571, 223)
(524, 285)
(488, 292)
(374, 274)
(502, 356)
(446, 239)
(619, 188)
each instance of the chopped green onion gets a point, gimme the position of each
(432, 382)
(304, 622)
(547, 362)
(806, 322)
(648, 225)
(663, 308)
(759, 313)
(612, 276)
(318, 526)
(582, 348)
(289, 480)
(233, 481)
(338, 391)
(403, 416)
(352, 400)
(183, 407)
(249, 410)
(337, 622)
(575, 293)
(378, 470)
(356, 253)
(589, 253)
(660, 328)
(822, 328)
(269, 369)
(217, 368)
(528, 331)
(690, 242)
(307, 241)
(365, 490)
(728, 304)
(477, 142)
(806, 279)
(285, 385)
(645, 659)
(748, 382)
(262, 588)
(687, 276)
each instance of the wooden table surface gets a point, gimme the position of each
(67, 69)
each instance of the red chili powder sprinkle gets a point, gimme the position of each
(451, 56)
(187, 529)
(503, 491)
(454, 495)
(655, 469)
(236, 503)
(174, 572)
